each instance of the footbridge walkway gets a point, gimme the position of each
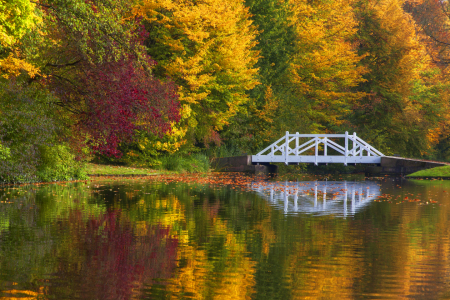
(324, 149)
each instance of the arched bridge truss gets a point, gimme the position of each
(292, 149)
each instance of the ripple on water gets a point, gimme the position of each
(282, 240)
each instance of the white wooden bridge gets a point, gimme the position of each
(319, 148)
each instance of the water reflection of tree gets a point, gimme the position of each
(107, 258)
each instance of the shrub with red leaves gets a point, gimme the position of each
(101, 73)
(121, 98)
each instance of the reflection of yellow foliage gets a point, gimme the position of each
(32, 295)
(315, 281)
(198, 278)
(173, 208)
(239, 283)
(268, 234)
(191, 278)
(240, 279)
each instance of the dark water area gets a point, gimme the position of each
(225, 237)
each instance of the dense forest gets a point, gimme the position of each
(136, 81)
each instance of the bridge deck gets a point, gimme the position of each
(291, 159)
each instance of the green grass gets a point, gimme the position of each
(194, 163)
(443, 171)
(95, 169)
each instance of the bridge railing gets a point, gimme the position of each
(281, 151)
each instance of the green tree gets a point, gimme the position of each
(32, 134)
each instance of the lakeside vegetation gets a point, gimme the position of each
(437, 172)
(97, 169)
(168, 85)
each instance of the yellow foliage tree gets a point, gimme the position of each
(324, 68)
(17, 17)
(206, 47)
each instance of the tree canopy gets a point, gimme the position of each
(132, 80)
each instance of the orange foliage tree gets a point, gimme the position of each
(396, 115)
(433, 19)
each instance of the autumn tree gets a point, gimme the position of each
(17, 18)
(98, 67)
(206, 48)
(433, 19)
(118, 99)
(252, 128)
(324, 68)
(430, 124)
(393, 116)
(308, 67)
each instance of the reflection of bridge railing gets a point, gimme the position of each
(337, 197)
(292, 149)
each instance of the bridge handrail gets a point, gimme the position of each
(358, 139)
(359, 146)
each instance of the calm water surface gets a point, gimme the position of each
(256, 239)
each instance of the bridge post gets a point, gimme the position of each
(346, 148)
(286, 147)
(317, 149)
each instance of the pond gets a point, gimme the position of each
(226, 236)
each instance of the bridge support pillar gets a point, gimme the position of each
(242, 164)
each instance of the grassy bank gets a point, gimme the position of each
(97, 169)
(443, 171)
(195, 163)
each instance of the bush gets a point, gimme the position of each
(223, 151)
(31, 137)
(182, 163)
(58, 163)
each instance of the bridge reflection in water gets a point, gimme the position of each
(340, 198)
